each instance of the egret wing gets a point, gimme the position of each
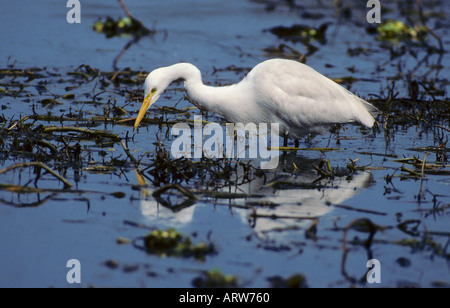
(304, 98)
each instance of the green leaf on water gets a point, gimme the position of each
(396, 30)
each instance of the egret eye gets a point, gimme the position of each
(153, 90)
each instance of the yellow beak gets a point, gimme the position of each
(145, 105)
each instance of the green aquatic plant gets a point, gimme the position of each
(396, 30)
(300, 33)
(215, 279)
(172, 243)
(294, 281)
(122, 26)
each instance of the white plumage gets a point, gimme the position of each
(287, 92)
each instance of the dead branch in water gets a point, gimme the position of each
(39, 165)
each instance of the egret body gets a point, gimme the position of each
(287, 92)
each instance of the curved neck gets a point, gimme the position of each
(186, 71)
(216, 99)
(205, 96)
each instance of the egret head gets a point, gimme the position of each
(155, 84)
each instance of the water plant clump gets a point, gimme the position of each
(215, 279)
(172, 243)
(123, 26)
(396, 30)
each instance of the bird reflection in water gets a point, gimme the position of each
(272, 202)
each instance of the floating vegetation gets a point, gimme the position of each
(396, 30)
(172, 243)
(424, 244)
(284, 51)
(294, 281)
(215, 279)
(415, 111)
(124, 26)
(422, 167)
(128, 25)
(301, 33)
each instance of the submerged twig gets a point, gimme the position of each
(128, 13)
(255, 215)
(127, 151)
(39, 165)
(302, 149)
(81, 130)
(180, 188)
(363, 225)
(421, 175)
(21, 120)
(125, 9)
(443, 127)
(411, 172)
(351, 208)
(33, 204)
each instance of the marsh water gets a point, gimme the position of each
(344, 198)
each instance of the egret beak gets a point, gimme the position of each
(145, 105)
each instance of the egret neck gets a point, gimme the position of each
(227, 101)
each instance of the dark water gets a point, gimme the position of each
(85, 223)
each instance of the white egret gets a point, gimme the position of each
(287, 92)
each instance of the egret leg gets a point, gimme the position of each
(296, 143)
(285, 141)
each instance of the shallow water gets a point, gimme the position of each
(258, 236)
